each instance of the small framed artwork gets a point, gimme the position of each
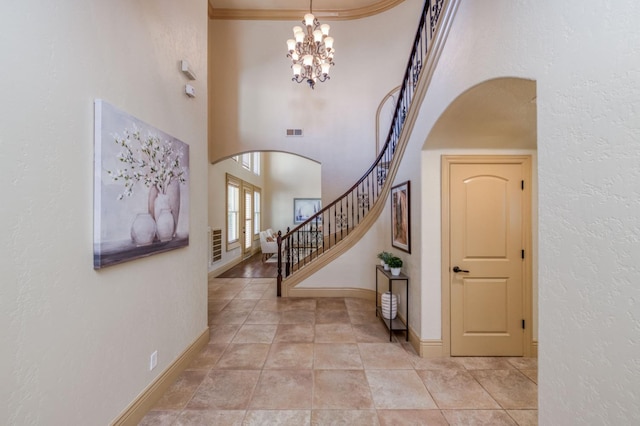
(400, 217)
(304, 208)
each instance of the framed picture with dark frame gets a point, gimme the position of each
(304, 208)
(401, 217)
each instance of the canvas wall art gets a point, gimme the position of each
(141, 188)
(400, 217)
(304, 208)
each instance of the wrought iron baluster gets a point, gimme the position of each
(321, 233)
(335, 223)
(302, 247)
(359, 196)
(329, 223)
(300, 244)
(371, 186)
(288, 249)
(341, 218)
(305, 245)
(351, 216)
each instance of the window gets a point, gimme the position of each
(246, 161)
(249, 161)
(256, 213)
(255, 166)
(248, 218)
(233, 212)
(244, 213)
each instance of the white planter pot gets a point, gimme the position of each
(143, 230)
(389, 305)
(164, 225)
(395, 271)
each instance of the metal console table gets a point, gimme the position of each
(393, 324)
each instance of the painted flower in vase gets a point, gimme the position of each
(156, 164)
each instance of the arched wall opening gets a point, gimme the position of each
(282, 178)
(495, 117)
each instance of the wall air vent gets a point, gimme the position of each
(215, 245)
(294, 132)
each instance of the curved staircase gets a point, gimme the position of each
(337, 227)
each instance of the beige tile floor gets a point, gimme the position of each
(297, 362)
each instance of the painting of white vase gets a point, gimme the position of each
(141, 188)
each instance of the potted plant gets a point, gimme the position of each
(384, 257)
(395, 263)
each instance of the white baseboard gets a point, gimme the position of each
(224, 268)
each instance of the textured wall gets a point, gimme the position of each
(589, 221)
(585, 64)
(76, 342)
(254, 99)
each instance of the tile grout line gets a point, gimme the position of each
(413, 367)
(250, 399)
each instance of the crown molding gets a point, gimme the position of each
(291, 14)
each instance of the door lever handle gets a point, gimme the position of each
(456, 269)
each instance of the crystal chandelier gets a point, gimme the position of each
(311, 51)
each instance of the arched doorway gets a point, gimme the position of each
(264, 185)
(497, 118)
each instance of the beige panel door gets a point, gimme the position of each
(486, 239)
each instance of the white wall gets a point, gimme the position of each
(76, 342)
(356, 267)
(218, 205)
(283, 177)
(288, 177)
(585, 64)
(254, 100)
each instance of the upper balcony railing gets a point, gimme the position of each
(325, 229)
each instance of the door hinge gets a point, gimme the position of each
(523, 324)
(522, 185)
(522, 254)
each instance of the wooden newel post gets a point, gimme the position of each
(279, 288)
(287, 250)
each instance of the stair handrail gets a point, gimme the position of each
(310, 239)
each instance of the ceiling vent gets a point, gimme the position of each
(294, 132)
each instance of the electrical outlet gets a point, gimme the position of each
(153, 360)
